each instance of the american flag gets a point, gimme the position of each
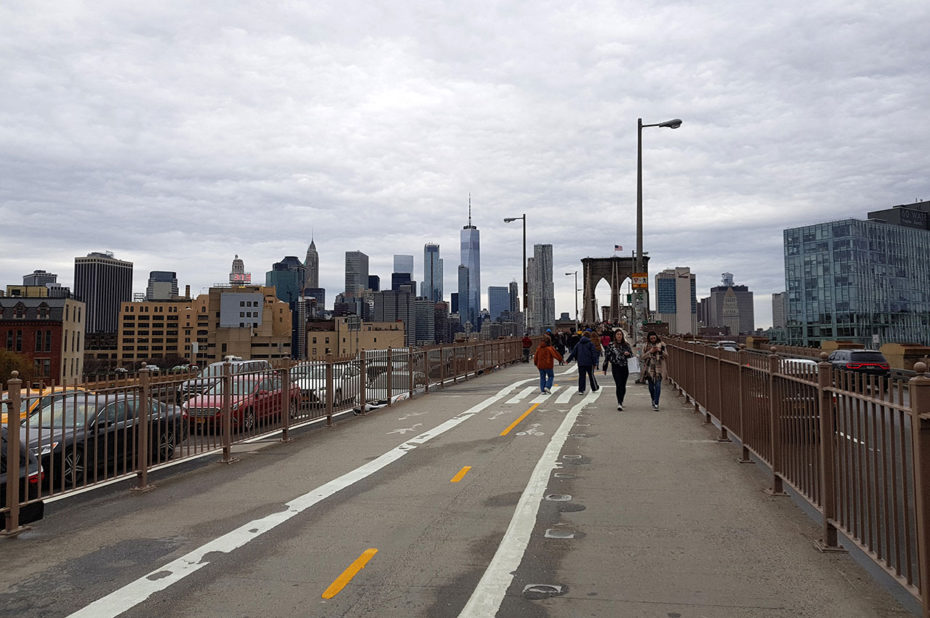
(618, 248)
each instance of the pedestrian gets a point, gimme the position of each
(527, 344)
(558, 342)
(544, 359)
(616, 355)
(586, 355)
(596, 342)
(654, 366)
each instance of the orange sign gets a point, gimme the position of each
(640, 281)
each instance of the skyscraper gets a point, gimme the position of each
(541, 289)
(432, 273)
(860, 281)
(163, 285)
(471, 260)
(403, 264)
(356, 273)
(102, 282)
(312, 266)
(744, 306)
(288, 277)
(498, 301)
(676, 300)
(466, 314)
(237, 275)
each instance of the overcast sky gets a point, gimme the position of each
(179, 134)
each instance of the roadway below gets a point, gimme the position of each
(478, 499)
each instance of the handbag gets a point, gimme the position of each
(633, 364)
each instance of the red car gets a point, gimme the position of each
(253, 398)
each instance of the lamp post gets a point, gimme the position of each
(668, 124)
(511, 220)
(576, 296)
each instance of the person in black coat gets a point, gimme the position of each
(586, 355)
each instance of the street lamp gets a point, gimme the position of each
(511, 220)
(668, 124)
(576, 297)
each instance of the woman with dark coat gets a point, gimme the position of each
(586, 355)
(616, 355)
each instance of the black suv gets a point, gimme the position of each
(868, 362)
(30, 475)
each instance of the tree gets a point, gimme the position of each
(10, 362)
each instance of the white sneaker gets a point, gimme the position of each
(581, 392)
(620, 406)
(547, 391)
(655, 406)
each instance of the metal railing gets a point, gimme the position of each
(83, 437)
(856, 447)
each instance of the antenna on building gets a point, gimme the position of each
(469, 209)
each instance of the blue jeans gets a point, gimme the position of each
(545, 379)
(655, 388)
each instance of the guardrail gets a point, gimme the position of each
(856, 448)
(86, 435)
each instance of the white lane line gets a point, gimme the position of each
(487, 597)
(565, 396)
(522, 394)
(543, 398)
(141, 589)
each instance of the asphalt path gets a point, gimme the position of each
(482, 498)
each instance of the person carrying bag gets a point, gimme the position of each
(618, 355)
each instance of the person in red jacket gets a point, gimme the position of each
(527, 344)
(544, 359)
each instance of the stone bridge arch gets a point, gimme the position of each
(614, 270)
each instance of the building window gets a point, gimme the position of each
(19, 311)
(38, 341)
(19, 341)
(48, 341)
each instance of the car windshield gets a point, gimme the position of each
(867, 357)
(239, 387)
(313, 372)
(212, 371)
(70, 413)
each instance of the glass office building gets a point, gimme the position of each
(861, 281)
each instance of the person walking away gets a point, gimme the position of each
(654, 366)
(616, 355)
(527, 344)
(558, 342)
(598, 351)
(544, 359)
(585, 354)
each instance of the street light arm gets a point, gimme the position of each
(668, 124)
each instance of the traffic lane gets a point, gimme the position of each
(194, 508)
(433, 537)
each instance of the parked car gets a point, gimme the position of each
(310, 379)
(34, 399)
(252, 397)
(79, 437)
(30, 476)
(377, 391)
(870, 362)
(213, 373)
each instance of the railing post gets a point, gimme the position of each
(14, 390)
(723, 437)
(329, 390)
(410, 371)
(744, 451)
(363, 383)
(777, 488)
(390, 376)
(919, 387)
(285, 404)
(227, 414)
(442, 366)
(426, 369)
(829, 542)
(143, 415)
